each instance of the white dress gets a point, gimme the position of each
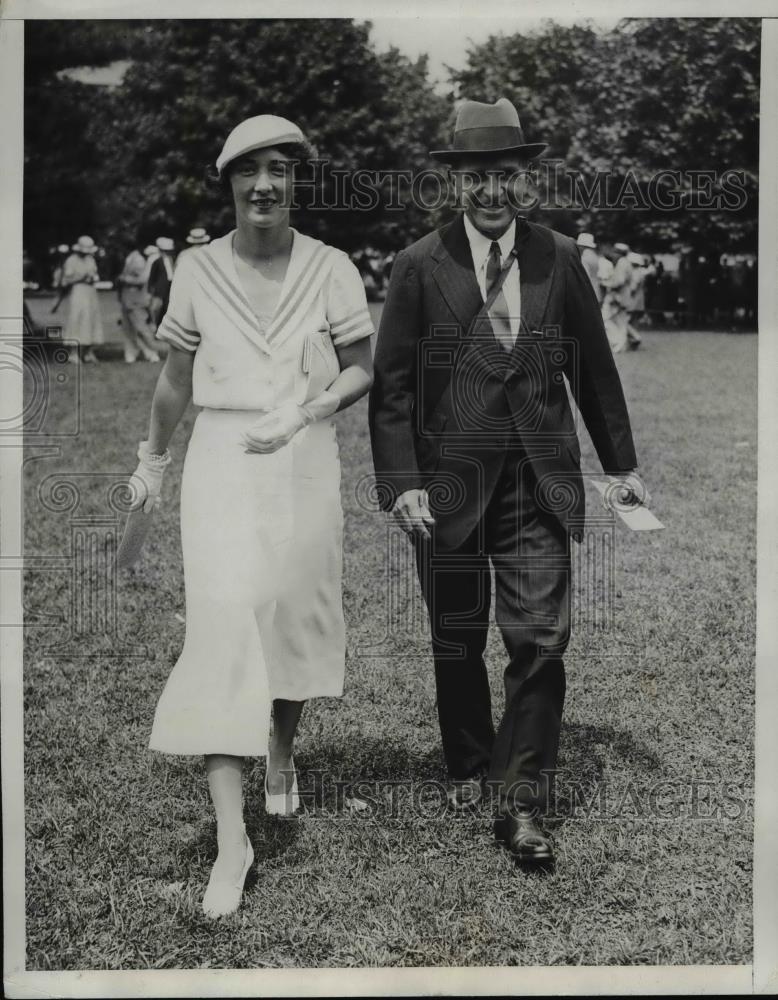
(261, 534)
(84, 323)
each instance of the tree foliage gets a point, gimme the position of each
(657, 94)
(128, 163)
(191, 82)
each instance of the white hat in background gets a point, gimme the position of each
(63, 248)
(586, 240)
(635, 258)
(165, 243)
(198, 236)
(85, 244)
(259, 132)
(621, 248)
(150, 250)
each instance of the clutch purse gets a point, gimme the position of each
(319, 362)
(136, 529)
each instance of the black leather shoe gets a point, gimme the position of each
(521, 834)
(464, 794)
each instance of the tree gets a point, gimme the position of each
(62, 149)
(192, 81)
(651, 95)
(128, 164)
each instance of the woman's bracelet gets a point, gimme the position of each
(145, 455)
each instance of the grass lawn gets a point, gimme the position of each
(653, 841)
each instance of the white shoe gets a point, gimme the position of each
(222, 898)
(152, 356)
(283, 803)
(130, 359)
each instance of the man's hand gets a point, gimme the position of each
(625, 490)
(412, 513)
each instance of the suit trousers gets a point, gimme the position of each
(529, 552)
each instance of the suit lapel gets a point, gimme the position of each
(536, 270)
(455, 274)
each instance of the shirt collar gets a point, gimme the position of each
(480, 244)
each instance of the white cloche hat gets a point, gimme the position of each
(259, 132)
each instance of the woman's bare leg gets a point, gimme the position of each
(225, 783)
(286, 717)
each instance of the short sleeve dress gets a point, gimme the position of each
(261, 534)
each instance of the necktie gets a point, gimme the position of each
(498, 313)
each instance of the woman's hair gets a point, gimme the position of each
(301, 152)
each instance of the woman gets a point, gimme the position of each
(84, 324)
(269, 331)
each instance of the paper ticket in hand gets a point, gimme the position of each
(636, 518)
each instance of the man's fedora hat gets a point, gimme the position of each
(586, 240)
(488, 128)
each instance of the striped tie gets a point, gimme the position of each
(498, 313)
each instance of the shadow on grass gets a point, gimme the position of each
(585, 751)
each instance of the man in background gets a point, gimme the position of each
(134, 301)
(618, 299)
(637, 305)
(590, 259)
(160, 279)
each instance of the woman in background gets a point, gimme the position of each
(84, 324)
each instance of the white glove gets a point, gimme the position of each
(277, 428)
(146, 482)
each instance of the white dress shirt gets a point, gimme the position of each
(480, 246)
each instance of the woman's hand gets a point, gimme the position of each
(275, 429)
(146, 482)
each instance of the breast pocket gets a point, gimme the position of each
(319, 362)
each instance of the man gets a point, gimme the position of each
(160, 278)
(475, 452)
(618, 300)
(591, 261)
(134, 302)
(637, 298)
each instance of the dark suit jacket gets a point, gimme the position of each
(159, 283)
(447, 399)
